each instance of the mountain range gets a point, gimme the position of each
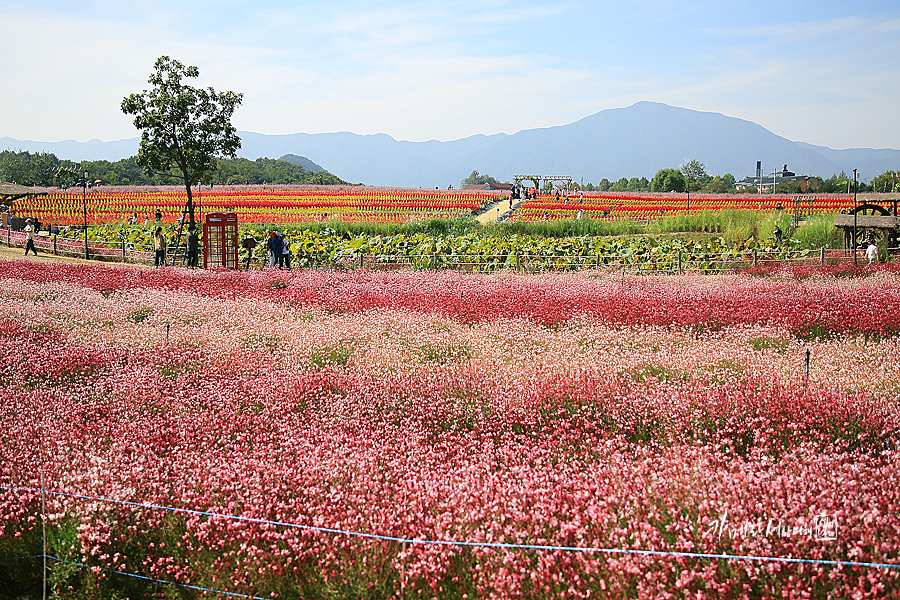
(628, 142)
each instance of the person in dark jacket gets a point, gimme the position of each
(274, 248)
(193, 246)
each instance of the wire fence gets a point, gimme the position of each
(650, 262)
(403, 540)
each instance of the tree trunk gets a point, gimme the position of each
(190, 198)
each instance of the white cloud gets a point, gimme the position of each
(420, 70)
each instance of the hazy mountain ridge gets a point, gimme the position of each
(625, 142)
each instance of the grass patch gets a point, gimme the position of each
(259, 341)
(140, 315)
(330, 356)
(779, 345)
(814, 331)
(445, 354)
(657, 372)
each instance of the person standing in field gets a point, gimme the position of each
(286, 252)
(274, 248)
(193, 246)
(159, 248)
(872, 252)
(29, 237)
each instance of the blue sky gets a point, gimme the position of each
(826, 73)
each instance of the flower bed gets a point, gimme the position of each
(611, 205)
(256, 204)
(655, 414)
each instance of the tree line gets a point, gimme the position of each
(44, 169)
(692, 177)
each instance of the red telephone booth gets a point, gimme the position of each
(220, 240)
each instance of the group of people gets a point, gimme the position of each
(278, 249)
(160, 247)
(157, 217)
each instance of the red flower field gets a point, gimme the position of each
(406, 434)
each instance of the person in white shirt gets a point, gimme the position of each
(872, 252)
(29, 237)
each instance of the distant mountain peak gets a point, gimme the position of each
(633, 141)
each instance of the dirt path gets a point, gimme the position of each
(14, 253)
(493, 212)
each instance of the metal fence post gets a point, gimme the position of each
(822, 256)
(679, 262)
(755, 258)
(54, 244)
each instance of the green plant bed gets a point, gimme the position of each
(729, 235)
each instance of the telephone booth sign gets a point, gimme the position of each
(220, 240)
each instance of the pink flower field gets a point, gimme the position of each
(443, 435)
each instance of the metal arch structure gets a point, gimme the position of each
(537, 180)
(870, 209)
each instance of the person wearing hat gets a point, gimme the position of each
(274, 248)
(29, 236)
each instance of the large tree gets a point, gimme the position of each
(668, 180)
(183, 127)
(695, 175)
(476, 178)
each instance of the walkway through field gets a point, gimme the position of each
(496, 210)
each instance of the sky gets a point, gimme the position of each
(822, 72)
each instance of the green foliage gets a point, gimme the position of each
(445, 354)
(330, 356)
(563, 228)
(817, 231)
(140, 315)
(887, 182)
(21, 167)
(269, 171)
(719, 185)
(183, 127)
(779, 345)
(476, 178)
(668, 180)
(836, 184)
(620, 186)
(302, 161)
(738, 225)
(695, 176)
(28, 169)
(766, 226)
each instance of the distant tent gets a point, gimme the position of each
(12, 191)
